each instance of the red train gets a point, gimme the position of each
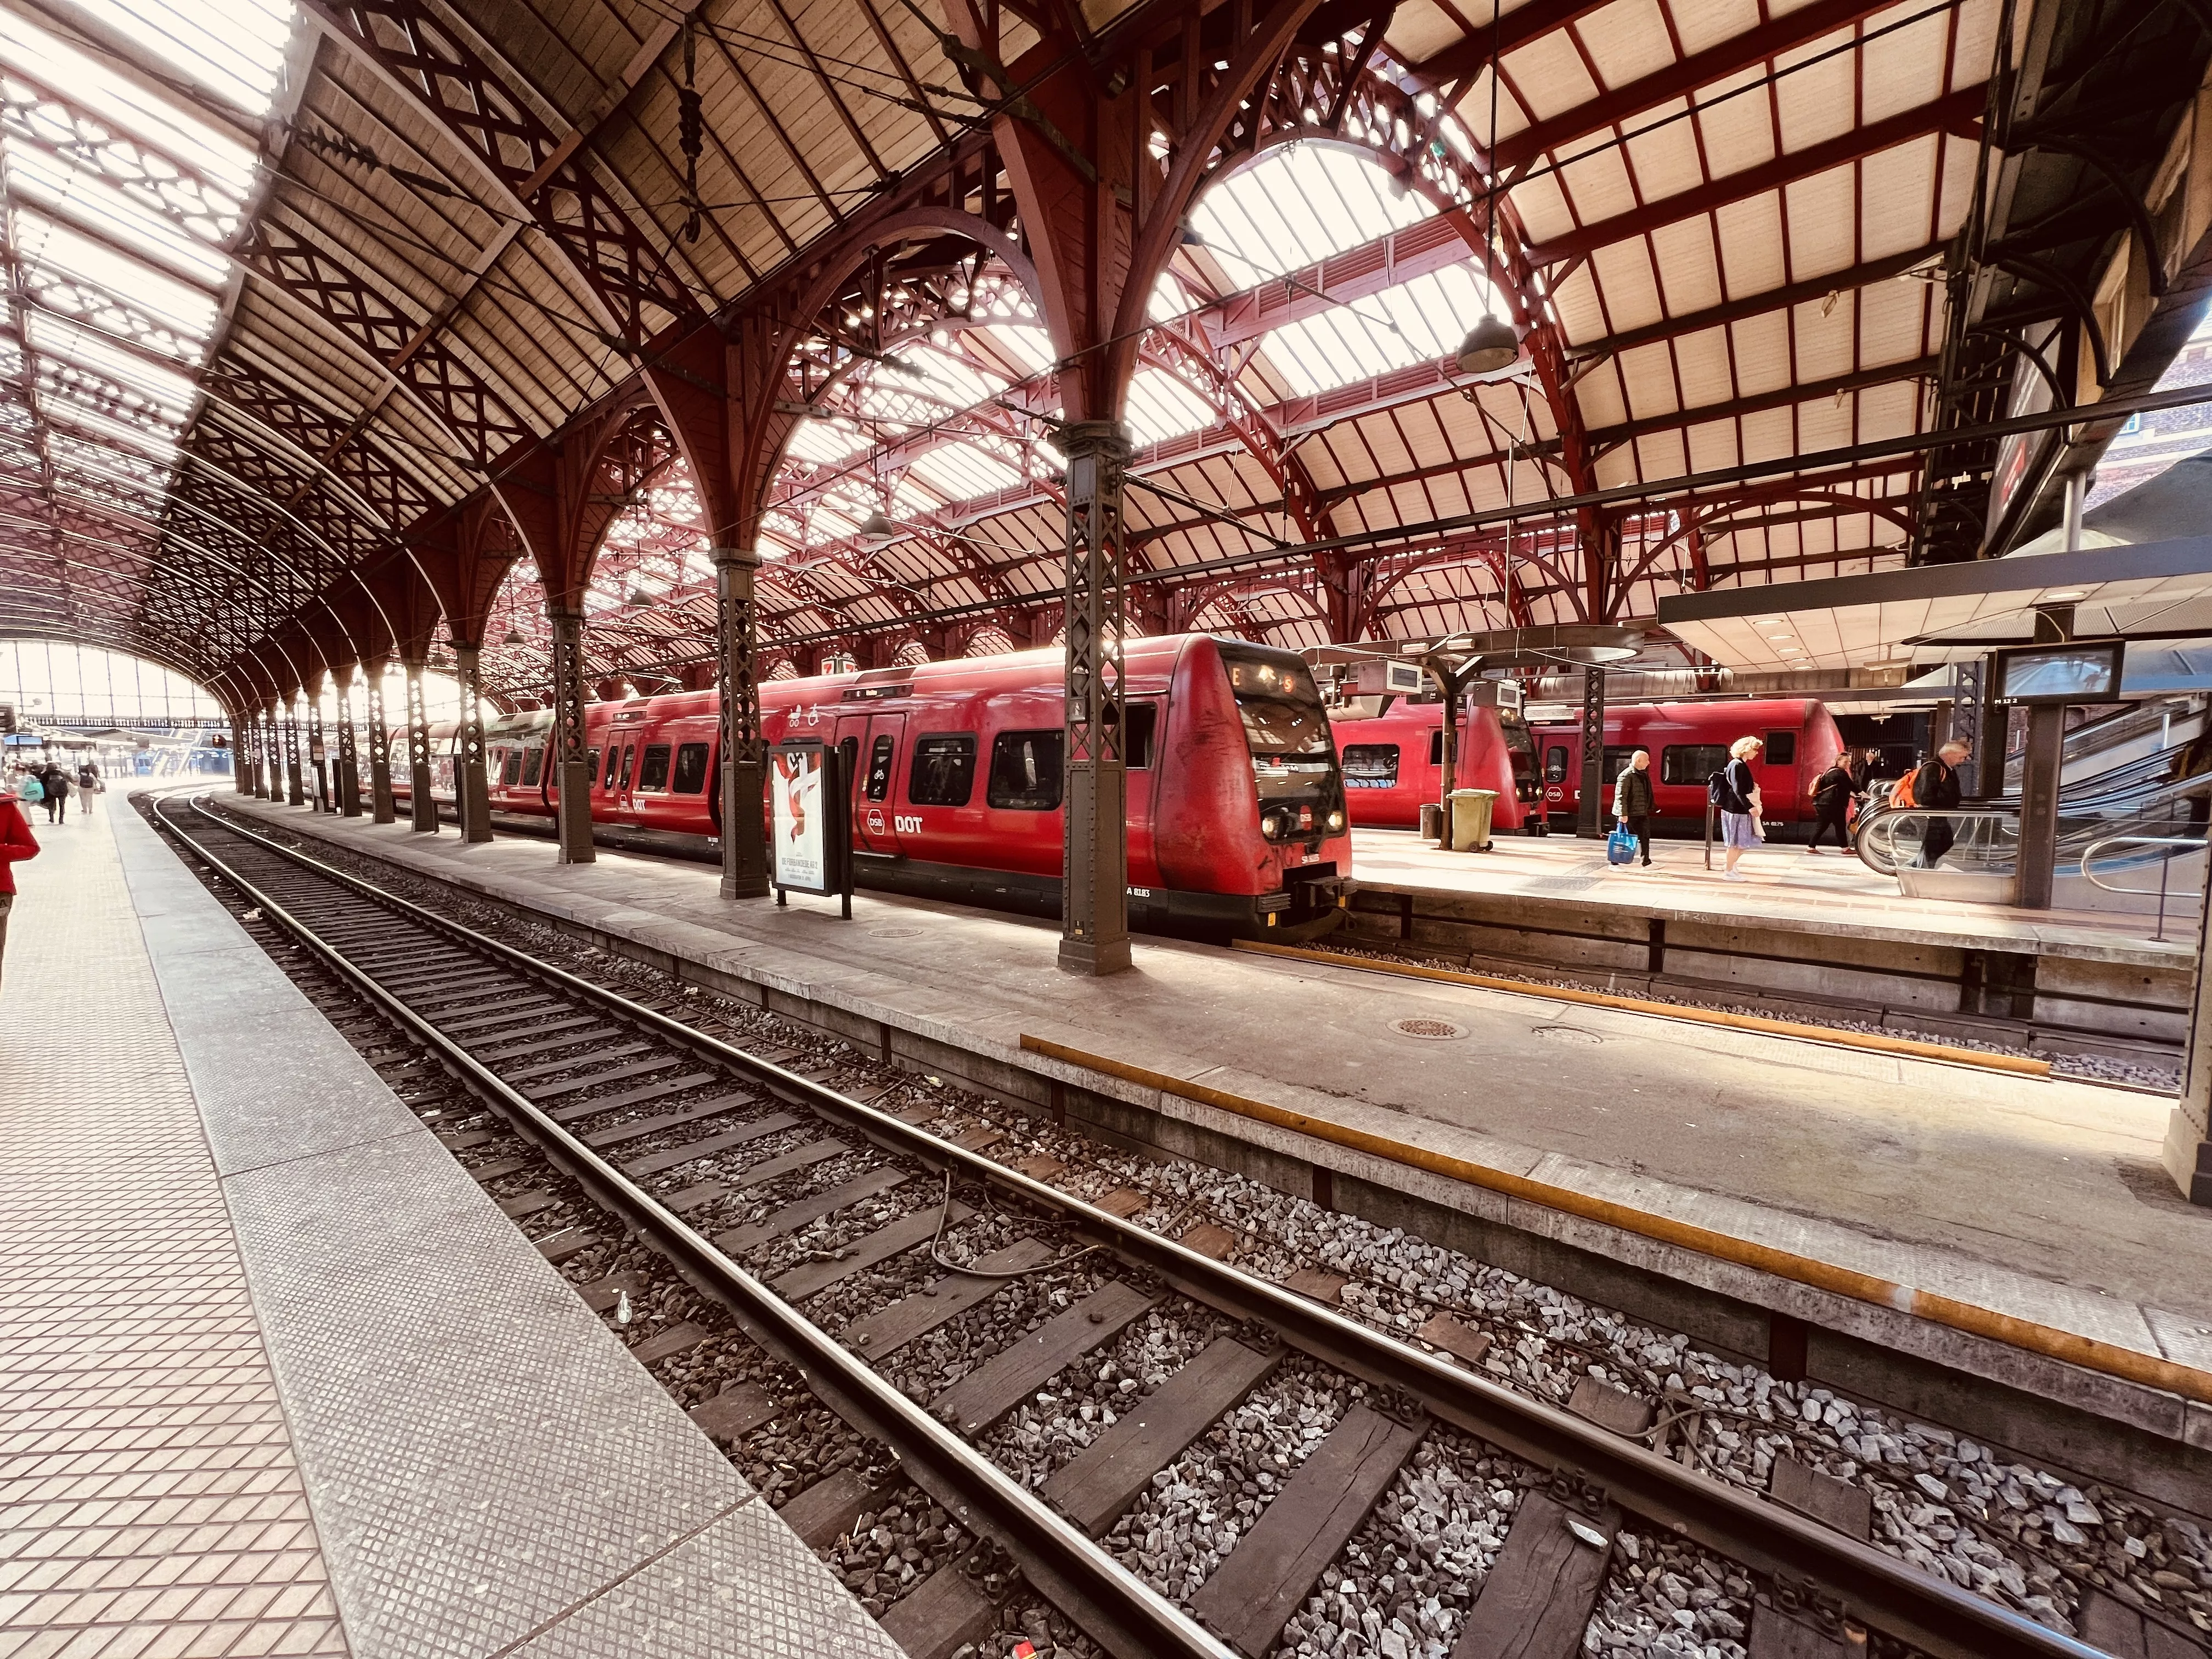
(1394, 761)
(1688, 741)
(1236, 802)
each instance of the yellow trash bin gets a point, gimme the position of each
(1470, 819)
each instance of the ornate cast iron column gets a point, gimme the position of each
(744, 840)
(1589, 811)
(381, 807)
(349, 768)
(272, 751)
(240, 783)
(472, 788)
(574, 780)
(318, 748)
(1094, 925)
(422, 811)
(295, 794)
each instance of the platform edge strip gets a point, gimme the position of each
(1909, 1047)
(2149, 1370)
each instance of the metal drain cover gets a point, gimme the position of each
(1429, 1031)
(896, 932)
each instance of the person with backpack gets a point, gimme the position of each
(1832, 804)
(88, 783)
(1735, 792)
(1633, 800)
(1934, 787)
(55, 782)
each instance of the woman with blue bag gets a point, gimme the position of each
(1632, 807)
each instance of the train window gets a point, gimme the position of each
(1281, 710)
(1437, 746)
(590, 763)
(628, 765)
(1616, 756)
(1781, 748)
(534, 765)
(690, 768)
(510, 773)
(1141, 721)
(879, 767)
(944, 770)
(653, 774)
(614, 758)
(1555, 763)
(1691, 763)
(1024, 771)
(1371, 765)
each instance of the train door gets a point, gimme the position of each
(873, 745)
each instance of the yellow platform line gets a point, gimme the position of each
(2020, 1065)
(2088, 1352)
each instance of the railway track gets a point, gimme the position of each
(785, 1201)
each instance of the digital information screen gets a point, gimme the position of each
(2061, 673)
(808, 843)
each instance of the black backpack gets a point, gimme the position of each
(1721, 794)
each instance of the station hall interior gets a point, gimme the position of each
(1106, 829)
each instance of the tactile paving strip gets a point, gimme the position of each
(150, 1503)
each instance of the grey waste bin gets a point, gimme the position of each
(1470, 819)
(1432, 821)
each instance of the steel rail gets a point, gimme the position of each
(1111, 1605)
(1929, 1612)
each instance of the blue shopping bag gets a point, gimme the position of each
(1620, 847)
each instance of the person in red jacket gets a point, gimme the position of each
(16, 841)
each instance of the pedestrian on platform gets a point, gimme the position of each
(26, 788)
(1736, 792)
(56, 783)
(1633, 800)
(88, 784)
(1832, 804)
(1935, 786)
(16, 842)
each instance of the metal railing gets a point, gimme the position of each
(2189, 844)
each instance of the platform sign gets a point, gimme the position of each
(2072, 672)
(809, 841)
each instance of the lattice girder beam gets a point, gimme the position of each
(627, 272)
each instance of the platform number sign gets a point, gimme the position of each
(809, 838)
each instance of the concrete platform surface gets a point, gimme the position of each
(2041, 1200)
(1784, 886)
(276, 1376)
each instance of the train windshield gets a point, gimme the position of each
(1283, 717)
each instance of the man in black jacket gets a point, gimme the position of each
(1934, 785)
(1633, 800)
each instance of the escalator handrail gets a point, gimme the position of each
(2192, 843)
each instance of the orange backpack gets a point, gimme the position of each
(1902, 794)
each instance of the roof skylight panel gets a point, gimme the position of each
(1298, 206)
(1415, 322)
(1162, 407)
(126, 107)
(75, 194)
(823, 443)
(88, 421)
(48, 245)
(234, 48)
(963, 472)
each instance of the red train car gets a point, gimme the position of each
(1236, 802)
(1688, 741)
(1394, 761)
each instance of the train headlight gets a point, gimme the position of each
(1335, 822)
(1271, 825)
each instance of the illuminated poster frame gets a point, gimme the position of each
(810, 842)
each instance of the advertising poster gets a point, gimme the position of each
(799, 817)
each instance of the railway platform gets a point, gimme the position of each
(1803, 931)
(275, 1376)
(1912, 1226)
